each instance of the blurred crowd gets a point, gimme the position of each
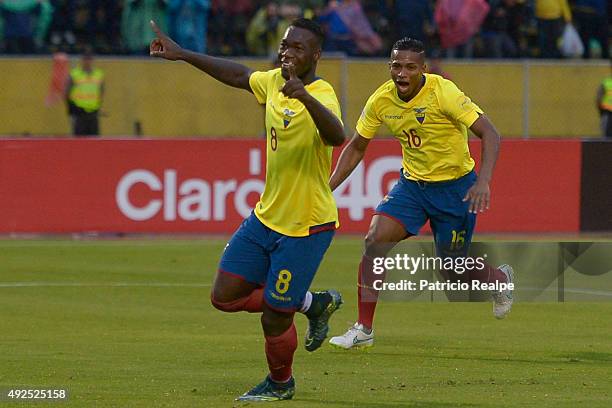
(449, 28)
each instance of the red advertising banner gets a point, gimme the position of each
(209, 186)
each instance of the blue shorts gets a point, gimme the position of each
(285, 266)
(412, 203)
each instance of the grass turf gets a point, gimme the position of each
(128, 324)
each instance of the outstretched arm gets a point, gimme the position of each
(330, 127)
(226, 71)
(350, 157)
(479, 195)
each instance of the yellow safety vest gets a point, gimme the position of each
(86, 92)
(606, 101)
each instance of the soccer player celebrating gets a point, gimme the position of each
(429, 116)
(271, 260)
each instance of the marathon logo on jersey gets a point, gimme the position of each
(289, 113)
(419, 113)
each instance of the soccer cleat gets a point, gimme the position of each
(354, 337)
(502, 301)
(318, 325)
(269, 390)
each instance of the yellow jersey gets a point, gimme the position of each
(296, 200)
(431, 127)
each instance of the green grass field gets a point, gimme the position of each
(128, 323)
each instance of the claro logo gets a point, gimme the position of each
(200, 200)
(193, 199)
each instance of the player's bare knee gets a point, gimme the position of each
(218, 296)
(218, 301)
(369, 241)
(222, 298)
(374, 244)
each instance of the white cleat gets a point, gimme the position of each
(354, 337)
(502, 301)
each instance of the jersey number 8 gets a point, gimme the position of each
(273, 139)
(282, 284)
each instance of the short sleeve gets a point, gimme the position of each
(456, 105)
(259, 81)
(330, 101)
(369, 122)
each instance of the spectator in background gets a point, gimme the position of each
(135, 29)
(268, 27)
(414, 19)
(348, 30)
(262, 32)
(61, 31)
(517, 15)
(592, 24)
(495, 30)
(25, 24)
(84, 95)
(380, 15)
(551, 16)
(311, 9)
(81, 23)
(102, 27)
(188, 23)
(604, 104)
(338, 37)
(458, 21)
(228, 23)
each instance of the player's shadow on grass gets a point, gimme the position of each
(390, 404)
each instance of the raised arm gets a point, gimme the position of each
(226, 71)
(479, 195)
(350, 157)
(330, 127)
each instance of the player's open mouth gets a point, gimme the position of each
(402, 86)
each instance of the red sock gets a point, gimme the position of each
(367, 296)
(487, 274)
(279, 352)
(251, 303)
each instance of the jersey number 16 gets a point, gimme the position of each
(412, 138)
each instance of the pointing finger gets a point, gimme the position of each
(291, 69)
(156, 29)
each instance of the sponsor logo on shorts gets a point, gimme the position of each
(280, 298)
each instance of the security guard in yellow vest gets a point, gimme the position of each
(604, 104)
(84, 94)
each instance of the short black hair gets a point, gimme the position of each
(408, 44)
(312, 26)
